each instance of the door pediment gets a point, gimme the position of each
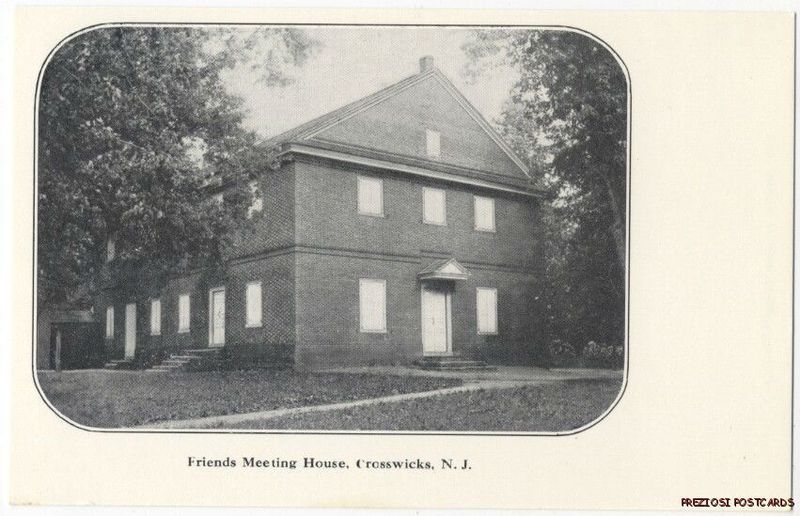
(448, 269)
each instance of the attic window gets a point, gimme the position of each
(432, 144)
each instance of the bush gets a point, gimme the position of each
(602, 355)
(560, 354)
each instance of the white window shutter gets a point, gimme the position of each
(184, 311)
(110, 322)
(433, 143)
(484, 214)
(486, 301)
(372, 305)
(434, 206)
(155, 317)
(370, 196)
(253, 304)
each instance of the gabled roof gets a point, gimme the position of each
(447, 269)
(309, 132)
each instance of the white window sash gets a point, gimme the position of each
(486, 305)
(184, 313)
(370, 196)
(155, 317)
(253, 308)
(372, 305)
(434, 208)
(484, 213)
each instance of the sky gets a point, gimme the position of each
(353, 62)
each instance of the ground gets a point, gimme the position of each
(506, 400)
(547, 407)
(114, 399)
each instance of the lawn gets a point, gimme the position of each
(106, 399)
(558, 406)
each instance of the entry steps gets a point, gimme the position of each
(192, 360)
(124, 363)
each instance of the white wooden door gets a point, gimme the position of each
(130, 330)
(435, 322)
(216, 330)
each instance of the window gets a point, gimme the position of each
(370, 196)
(484, 214)
(434, 206)
(110, 322)
(258, 203)
(486, 301)
(372, 305)
(155, 317)
(218, 199)
(253, 302)
(432, 143)
(184, 307)
(111, 248)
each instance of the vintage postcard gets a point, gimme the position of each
(448, 259)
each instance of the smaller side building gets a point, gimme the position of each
(81, 345)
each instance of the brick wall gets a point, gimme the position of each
(310, 292)
(273, 226)
(398, 125)
(327, 216)
(328, 313)
(277, 276)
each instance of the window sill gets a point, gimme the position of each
(488, 333)
(184, 331)
(429, 223)
(375, 215)
(485, 230)
(362, 330)
(253, 325)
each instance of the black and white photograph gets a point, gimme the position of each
(332, 228)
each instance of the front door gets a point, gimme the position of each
(216, 322)
(130, 330)
(435, 321)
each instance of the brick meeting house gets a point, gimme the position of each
(397, 229)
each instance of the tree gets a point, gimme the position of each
(567, 113)
(135, 125)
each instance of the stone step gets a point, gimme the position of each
(117, 363)
(174, 362)
(475, 367)
(202, 351)
(452, 363)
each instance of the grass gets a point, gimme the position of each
(104, 399)
(551, 407)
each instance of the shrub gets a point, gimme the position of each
(560, 354)
(602, 355)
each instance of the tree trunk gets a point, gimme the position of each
(618, 227)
